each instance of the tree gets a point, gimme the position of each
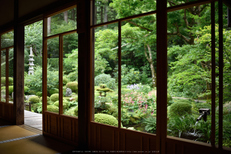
(191, 72)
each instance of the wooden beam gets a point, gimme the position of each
(84, 78)
(18, 69)
(161, 75)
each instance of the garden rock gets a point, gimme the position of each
(68, 92)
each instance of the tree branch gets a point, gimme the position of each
(133, 23)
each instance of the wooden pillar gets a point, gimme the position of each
(84, 69)
(18, 69)
(161, 75)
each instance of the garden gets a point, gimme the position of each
(189, 69)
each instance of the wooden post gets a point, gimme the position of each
(84, 79)
(18, 69)
(161, 75)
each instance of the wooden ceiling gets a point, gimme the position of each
(26, 9)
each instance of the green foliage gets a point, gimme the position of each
(227, 108)
(36, 107)
(177, 125)
(34, 82)
(150, 124)
(34, 99)
(106, 119)
(71, 111)
(65, 80)
(11, 89)
(53, 91)
(180, 109)
(227, 130)
(3, 80)
(65, 104)
(26, 90)
(203, 128)
(73, 86)
(196, 106)
(39, 94)
(105, 79)
(53, 108)
(41, 99)
(76, 110)
(54, 97)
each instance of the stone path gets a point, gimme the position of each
(33, 119)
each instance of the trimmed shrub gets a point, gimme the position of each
(11, 81)
(53, 91)
(41, 99)
(11, 89)
(180, 109)
(53, 108)
(73, 86)
(76, 110)
(65, 104)
(105, 79)
(3, 80)
(39, 94)
(54, 97)
(71, 111)
(106, 119)
(65, 80)
(34, 99)
(26, 90)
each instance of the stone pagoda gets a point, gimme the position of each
(31, 63)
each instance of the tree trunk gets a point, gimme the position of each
(105, 14)
(48, 25)
(65, 16)
(149, 58)
(101, 14)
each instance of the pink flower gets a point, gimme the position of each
(146, 106)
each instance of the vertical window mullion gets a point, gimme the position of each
(220, 74)
(213, 73)
(0, 66)
(44, 70)
(7, 75)
(60, 74)
(119, 74)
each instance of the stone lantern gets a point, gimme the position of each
(31, 63)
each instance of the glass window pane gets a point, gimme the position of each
(11, 75)
(226, 80)
(62, 22)
(33, 65)
(115, 9)
(106, 75)
(7, 39)
(178, 2)
(189, 75)
(70, 74)
(53, 75)
(3, 76)
(138, 74)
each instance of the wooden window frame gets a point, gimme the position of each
(162, 74)
(7, 67)
(44, 60)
